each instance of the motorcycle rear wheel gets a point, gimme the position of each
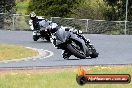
(35, 37)
(47, 38)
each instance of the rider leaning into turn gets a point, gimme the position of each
(37, 22)
(66, 54)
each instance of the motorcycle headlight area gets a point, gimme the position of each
(36, 33)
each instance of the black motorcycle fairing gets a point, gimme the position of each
(62, 36)
(73, 43)
(75, 37)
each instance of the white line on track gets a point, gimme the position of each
(51, 53)
(41, 55)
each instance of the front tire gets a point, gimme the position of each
(76, 52)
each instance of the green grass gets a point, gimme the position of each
(8, 52)
(59, 78)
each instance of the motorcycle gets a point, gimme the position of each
(73, 44)
(42, 33)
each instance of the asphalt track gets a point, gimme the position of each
(113, 49)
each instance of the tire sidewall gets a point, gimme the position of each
(76, 52)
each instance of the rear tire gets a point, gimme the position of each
(35, 37)
(76, 52)
(47, 38)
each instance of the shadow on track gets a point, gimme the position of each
(72, 59)
(80, 59)
(41, 42)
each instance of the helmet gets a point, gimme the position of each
(32, 15)
(54, 27)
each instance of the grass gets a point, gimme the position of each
(59, 78)
(8, 52)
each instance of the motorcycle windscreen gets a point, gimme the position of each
(62, 35)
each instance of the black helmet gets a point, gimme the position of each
(32, 15)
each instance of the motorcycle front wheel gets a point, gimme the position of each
(76, 50)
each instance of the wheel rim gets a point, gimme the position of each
(77, 47)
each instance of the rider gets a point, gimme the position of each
(37, 22)
(66, 54)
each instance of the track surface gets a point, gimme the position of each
(113, 49)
